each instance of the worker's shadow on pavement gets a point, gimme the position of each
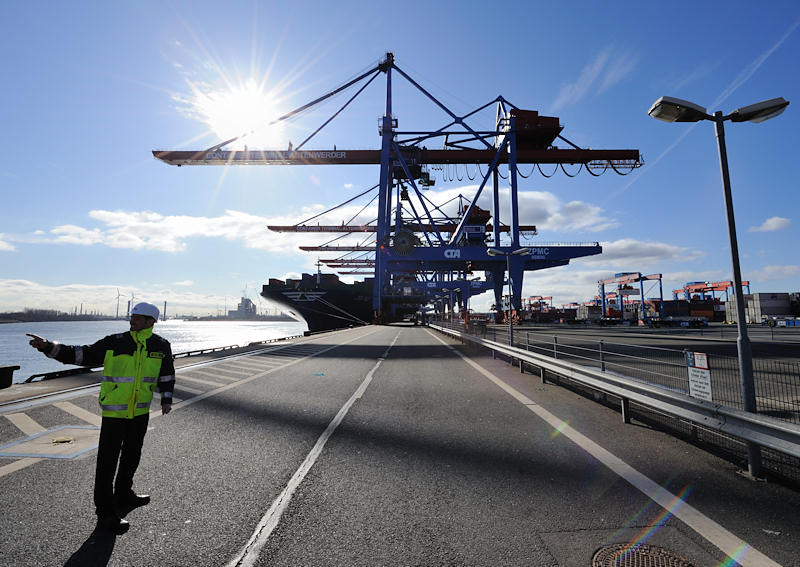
(95, 551)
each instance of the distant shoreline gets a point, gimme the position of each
(22, 318)
(38, 320)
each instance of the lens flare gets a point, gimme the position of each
(657, 522)
(733, 560)
(557, 431)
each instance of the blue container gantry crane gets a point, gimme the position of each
(421, 254)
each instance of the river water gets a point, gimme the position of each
(184, 336)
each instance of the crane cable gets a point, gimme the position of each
(539, 167)
(580, 166)
(339, 205)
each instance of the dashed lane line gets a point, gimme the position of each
(727, 542)
(248, 556)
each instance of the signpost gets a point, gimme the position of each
(699, 375)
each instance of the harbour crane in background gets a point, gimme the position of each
(421, 254)
(705, 287)
(624, 281)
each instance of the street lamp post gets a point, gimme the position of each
(671, 109)
(518, 252)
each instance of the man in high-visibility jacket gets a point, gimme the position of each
(135, 364)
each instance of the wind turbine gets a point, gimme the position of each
(118, 296)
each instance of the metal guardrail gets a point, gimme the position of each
(230, 347)
(766, 431)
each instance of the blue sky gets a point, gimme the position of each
(91, 88)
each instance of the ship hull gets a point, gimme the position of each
(324, 302)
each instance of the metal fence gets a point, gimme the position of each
(777, 383)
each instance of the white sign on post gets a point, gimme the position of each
(699, 375)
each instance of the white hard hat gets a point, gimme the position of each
(147, 309)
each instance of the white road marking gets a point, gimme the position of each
(249, 554)
(240, 372)
(214, 374)
(728, 543)
(24, 423)
(179, 386)
(17, 465)
(201, 381)
(245, 365)
(79, 412)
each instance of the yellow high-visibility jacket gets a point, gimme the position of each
(135, 364)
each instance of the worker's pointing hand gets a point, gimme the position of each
(38, 342)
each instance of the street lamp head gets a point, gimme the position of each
(521, 251)
(494, 252)
(760, 111)
(670, 109)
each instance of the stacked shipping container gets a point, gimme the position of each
(759, 306)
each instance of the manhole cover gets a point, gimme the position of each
(626, 555)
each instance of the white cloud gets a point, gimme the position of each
(540, 208)
(602, 73)
(16, 295)
(184, 283)
(71, 234)
(769, 273)
(5, 246)
(172, 233)
(574, 92)
(152, 231)
(771, 225)
(619, 68)
(631, 253)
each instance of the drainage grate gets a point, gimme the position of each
(625, 555)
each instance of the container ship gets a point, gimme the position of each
(323, 300)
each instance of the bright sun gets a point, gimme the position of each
(247, 108)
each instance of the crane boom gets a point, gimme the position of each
(618, 158)
(337, 248)
(445, 227)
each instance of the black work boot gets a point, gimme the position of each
(112, 524)
(131, 500)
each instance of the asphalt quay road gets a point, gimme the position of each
(385, 446)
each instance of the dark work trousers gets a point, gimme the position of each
(121, 441)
